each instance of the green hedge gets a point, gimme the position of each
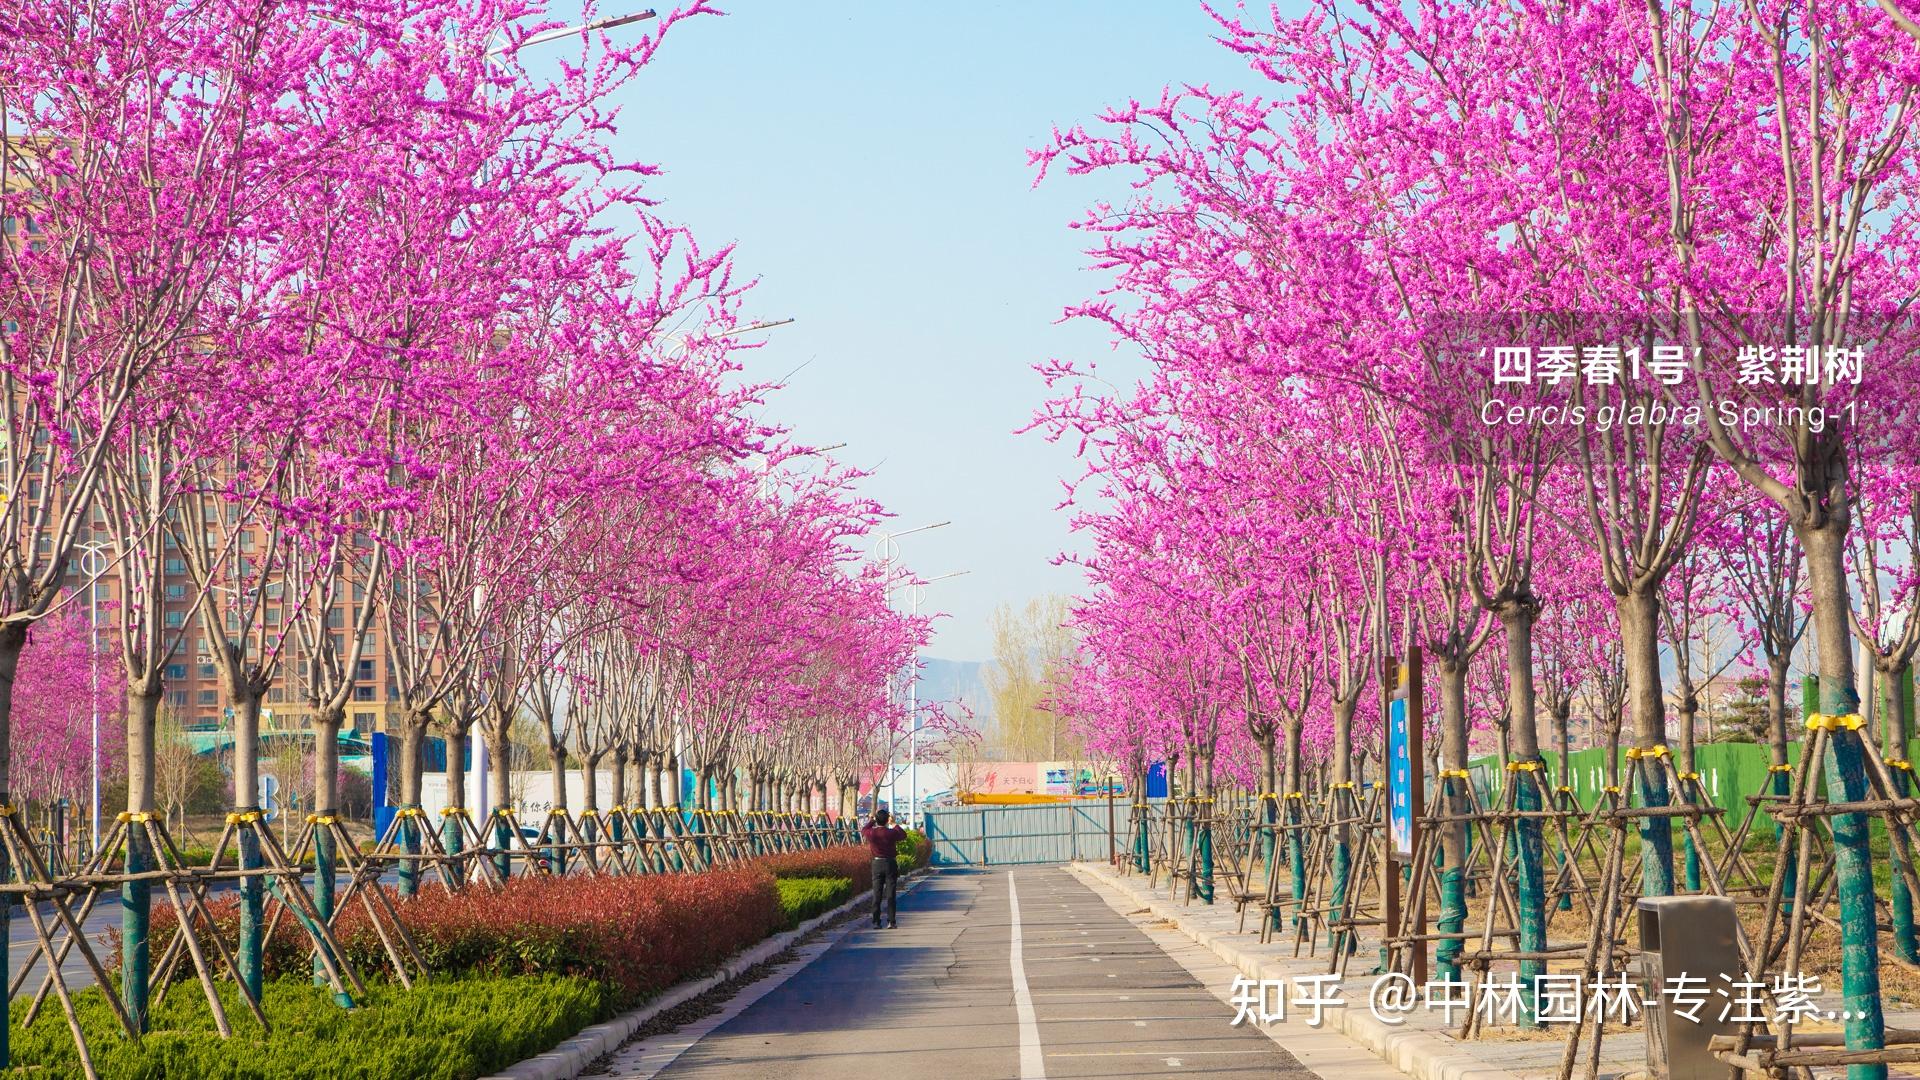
(913, 852)
(515, 970)
(803, 898)
(444, 1029)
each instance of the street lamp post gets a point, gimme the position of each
(94, 550)
(885, 550)
(916, 593)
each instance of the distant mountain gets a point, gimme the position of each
(954, 681)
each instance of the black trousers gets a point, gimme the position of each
(886, 883)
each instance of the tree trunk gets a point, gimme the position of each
(1269, 807)
(1779, 779)
(590, 829)
(13, 639)
(1684, 762)
(413, 761)
(246, 801)
(136, 897)
(1896, 731)
(326, 803)
(499, 736)
(617, 828)
(1528, 774)
(451, 836)
(1345, 803)
(590, 783)
(1453, 836)
(557, 774)
(1825, 548)
(1294, 815)
(1563, 741)
(558, 818)
(1639, 615)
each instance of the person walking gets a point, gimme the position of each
(883, 840)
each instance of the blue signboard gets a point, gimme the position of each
(1157, 780)
(1399, 780)
(382, 810)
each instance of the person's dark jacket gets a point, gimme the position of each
(883, 840)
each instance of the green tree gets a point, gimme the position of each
(1745, 711)
(1031, 648)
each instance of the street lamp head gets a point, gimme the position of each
(568, 31)
(621, 20)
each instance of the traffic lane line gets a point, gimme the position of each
(1032, 1065)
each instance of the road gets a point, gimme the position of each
(1016, 973)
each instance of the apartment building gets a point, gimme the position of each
(193, 690)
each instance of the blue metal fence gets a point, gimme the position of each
(1023, 835)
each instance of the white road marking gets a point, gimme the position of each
(1145, 1053)
(1032, 1066)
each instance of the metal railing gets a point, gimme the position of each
(1025, 835)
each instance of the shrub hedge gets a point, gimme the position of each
(637, 935)
(915, 852)
(669, 927)
(443, 1029)
(675, 926)
(847, 861)
(803, 898)
(515, 970)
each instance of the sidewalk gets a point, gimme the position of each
(1421, 1046)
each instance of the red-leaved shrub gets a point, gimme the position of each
(637, 935)
(847, 861)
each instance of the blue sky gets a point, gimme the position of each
(869, 160)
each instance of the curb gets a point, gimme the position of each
(566, 1060)
(1420, 1054)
